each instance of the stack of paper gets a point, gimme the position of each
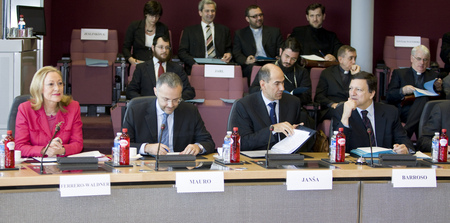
(365, 151)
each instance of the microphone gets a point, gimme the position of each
(57, 128)
(369, 131)
(268, 145)
(163, 126)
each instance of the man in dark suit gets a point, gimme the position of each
(195, 42)
(332, 88)
(255, 41)
(146, 74)
(314, 38)
(254, 115)
(360, 113)
(184, 129)
(402, 86)
(439, 119)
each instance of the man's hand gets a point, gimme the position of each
(250, 60)
(193, 149)
(400, 149)
(408, 89)
(226, 57)
(284, 127)
(349, 106)
(153, 149)
(355, 69)
(438, 84)
(329, 57)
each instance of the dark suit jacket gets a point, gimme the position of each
(313, 40)
(330, 88)
(439, 119)
(135, 37)
(244, 43)
(188, 126)
(144, 80)
(445, 50)
(192, 43)
(388, 128)
(253, 121)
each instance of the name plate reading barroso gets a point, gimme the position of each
(221, 71)
(85, 185)
(94, 34)
(200, 182)
(406, 41)
(309, 180)
(414, 177)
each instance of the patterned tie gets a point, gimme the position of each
(367, 123)
(273, 116)
(209, 43)
(161, 69)
(165, 133)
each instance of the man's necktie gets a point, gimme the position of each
(209, 43)
(161, 69)
(165, 132)
(273, 115)
(368, 125)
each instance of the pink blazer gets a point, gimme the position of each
(33, 132)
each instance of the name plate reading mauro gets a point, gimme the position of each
(200, 182)
(94, 34)
(85, 185)
(309, 180)
(406, 41)
(222, 71)
(414, 177)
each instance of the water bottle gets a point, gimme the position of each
(435, 147)
(235, 148)
(226, 153)
(21, 24)
(333, 147)
(226, 142)
(2, 153)
(9, 150)
(116, 149)
(124, 148)
(443, 146)
(340, 146)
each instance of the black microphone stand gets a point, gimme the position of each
(57, 128)
(268, 145)
(163, 126)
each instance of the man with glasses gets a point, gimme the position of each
(255, 41)
(332, 88)
(403, 83)
(295, 76)
(184, 130)
(146, 74)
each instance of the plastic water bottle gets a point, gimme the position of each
(435, 147)
(226, 153)
(116, 149)
(9, 150)
(21, 24)
(124, 147)
(2, 153)
(443, 146)
(333, 147)
(235, 151)
(340, 146)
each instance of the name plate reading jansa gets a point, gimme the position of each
(414, 177)
(200, 182)
(85, 185)
(309, 180)
(221, 71)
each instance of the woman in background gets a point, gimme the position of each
(37, 118)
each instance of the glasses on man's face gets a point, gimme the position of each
(293, 59)
(173, 101)
(421, 59)
(163, 47)
(256, 16)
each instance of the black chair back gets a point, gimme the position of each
(13, 112)
(426, 114)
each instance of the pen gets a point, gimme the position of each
(166, 150)
(320, 51)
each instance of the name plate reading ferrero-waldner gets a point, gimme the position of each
(309, 180)
(200, 182)
(85, 185)
(220, 71)
(414, 177)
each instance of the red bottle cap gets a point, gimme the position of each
(341, 129)
(9, 132)
(444, 130)
(124, 130)
(235, 129)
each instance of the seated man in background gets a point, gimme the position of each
(439, 119)
(295, 76)
(360, 113)
(403, 83)
(146, 74)
(255, 41)
(332, 88)
(184, 129)
(205, 40)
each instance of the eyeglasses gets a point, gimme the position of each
(293, 59)
(164, 47)
(421, 59)
(256, 16)
(174, 101)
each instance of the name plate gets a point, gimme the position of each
(407, 41)
(222, 71)
(414, 177)
(200, 182)
(309, 180)
(94, 34)
(85, 185)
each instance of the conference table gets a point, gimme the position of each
(251, 193)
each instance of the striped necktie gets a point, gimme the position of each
(209, 43)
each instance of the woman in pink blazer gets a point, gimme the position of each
(37, 118)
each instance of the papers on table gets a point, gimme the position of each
(196, 100)
(429, 90)
(209, 61)
(420, 154)
(290, 144)
(313, 57)
(96, 62)
(46, 159)
(365, 151)
(96, 154)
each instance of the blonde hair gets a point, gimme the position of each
(37, 85)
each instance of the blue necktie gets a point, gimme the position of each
(273, 116)
(165, 133)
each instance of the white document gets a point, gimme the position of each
(190, 182)
(96, 154)
(255, 153)
(220, 71)
(313, 57)
(289, 144)
(420, 154)
(94, 34)
(309, 180)
(375, 149)
(85, 185)
(406, 41)
(414, 177)
(45, 160)
(421, 92)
